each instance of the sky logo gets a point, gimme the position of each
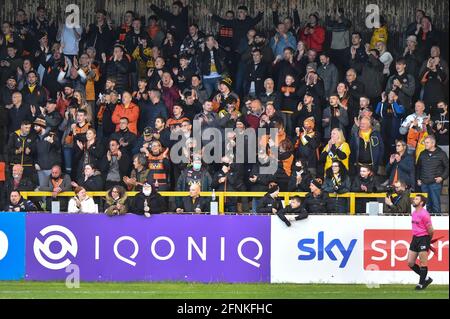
(312, 248)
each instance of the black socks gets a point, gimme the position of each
(423, 275)
(416, 269)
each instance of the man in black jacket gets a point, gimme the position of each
(256, 73)
(194, 203)
(432, 170)
(148, 202)
(316, 201)
(51, 116)
(211, 64)
(126, 138)
(294, 207)
(118, 67)
(177, 20)
(17, 182)
(21, 148)
(241, 25)
(228, 179)
(270, 203)
(48, 151)
(33, 93)
(18, 112)
(18, 204)
(100, 34)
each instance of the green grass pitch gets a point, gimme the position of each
(182, 290)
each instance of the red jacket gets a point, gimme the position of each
(131, 112)
(315, 40)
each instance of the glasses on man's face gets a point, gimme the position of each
(335, 166)
(399, 145)
(114, 191)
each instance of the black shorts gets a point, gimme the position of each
(419, 244)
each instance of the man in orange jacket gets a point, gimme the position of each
(127, 109)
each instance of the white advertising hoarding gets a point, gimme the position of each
(352, 249)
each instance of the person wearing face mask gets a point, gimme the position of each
(300, 179)
(82, 203)
(194, 173)
(148, 202)
(126, 138)
(159, 167)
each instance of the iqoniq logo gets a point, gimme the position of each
(66, 247)
(3, 245)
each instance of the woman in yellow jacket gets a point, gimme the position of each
(336, 149)
(379, 34)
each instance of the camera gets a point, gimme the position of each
(390, 190)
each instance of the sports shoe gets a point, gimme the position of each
(419, 287)
(427, 282)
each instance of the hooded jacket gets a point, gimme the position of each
(155, 202)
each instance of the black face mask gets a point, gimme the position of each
(298, 168)
(55, 178)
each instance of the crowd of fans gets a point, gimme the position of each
(93, 108)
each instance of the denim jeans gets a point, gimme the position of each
(68, 151)
(255, 203)
(434, 197)
(43, 177)
(210, 85)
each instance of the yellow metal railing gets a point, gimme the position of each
(220, 196)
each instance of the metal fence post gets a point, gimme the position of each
(222, 203)
(352, 203)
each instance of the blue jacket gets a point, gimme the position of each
(376, 148)
(405, 168)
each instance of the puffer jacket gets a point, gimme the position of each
(431, 165)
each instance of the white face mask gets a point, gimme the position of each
(146, 192)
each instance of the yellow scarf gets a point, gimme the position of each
(32, 87)
(365, 136)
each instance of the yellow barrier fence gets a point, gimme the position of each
(220, 196)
